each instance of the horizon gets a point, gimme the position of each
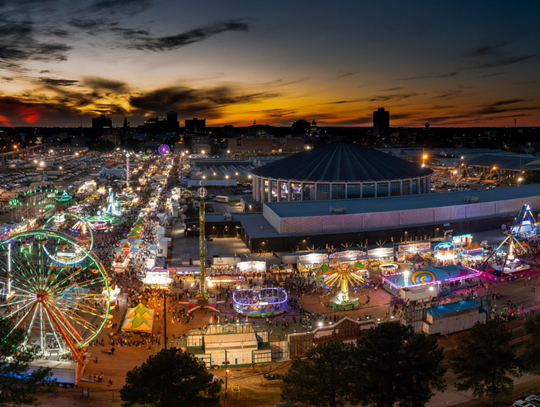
(63, 62)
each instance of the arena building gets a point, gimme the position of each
(286, 226)
(339, 170)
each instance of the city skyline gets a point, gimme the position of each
(462, 64)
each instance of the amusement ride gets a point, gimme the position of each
(54, 288)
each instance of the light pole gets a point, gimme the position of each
(406, 278)
(424, 158)
(519, 181)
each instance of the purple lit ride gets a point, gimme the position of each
(164, 149)
(260, 302)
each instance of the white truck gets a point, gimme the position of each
(65, 373)
(221, 198)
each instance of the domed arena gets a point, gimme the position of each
(339, 170)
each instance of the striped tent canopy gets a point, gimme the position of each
(139, 319)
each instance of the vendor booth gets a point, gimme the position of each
(308, 262)
(157, 278)
(252, 266)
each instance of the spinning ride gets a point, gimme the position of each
(71, 225)
(260, 302)
(61, 309)
(342, 275)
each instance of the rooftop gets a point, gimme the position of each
(341, 161)
(394, 203)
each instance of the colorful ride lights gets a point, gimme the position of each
(260, 302)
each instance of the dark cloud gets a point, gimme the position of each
(7, 79)
(341, 102)
(102, 84)
(401, 116)
(343, 74)
(448, 94)
(56, 32)
(129, 7)
(444, 75)
(492, 56)
(385, 98)
(18, 44)
(281, 82)
(503, 106)
(393, 89)
(185, 100)
(58, 82)
(144, 42)
(85, 23)
(129, 33)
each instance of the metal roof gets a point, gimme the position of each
(396, 203)
(341, 161)
(503, 161)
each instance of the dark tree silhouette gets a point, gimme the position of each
(18, 386)
(393, 364)
(321, 379)
(171, 378)
(485, 362)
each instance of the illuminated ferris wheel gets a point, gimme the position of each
(60, 307)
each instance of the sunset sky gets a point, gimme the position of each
(459, 63)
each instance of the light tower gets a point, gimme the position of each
(127, 171)
(202, 246)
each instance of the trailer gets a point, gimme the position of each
(65, 373)
(221, 198)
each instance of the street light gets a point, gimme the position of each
(424, 158)
(406, 277)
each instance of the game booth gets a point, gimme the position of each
(260, 302)
(252, 267)
(308, 262)
(428, 283)
(406, 251)
(157, 278)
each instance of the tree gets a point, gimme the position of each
(530, 360)
(485, 362)
(171, 378)
(394, 364)
(18, 386)
(322, 378)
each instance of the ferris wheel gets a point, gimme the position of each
(62, 308)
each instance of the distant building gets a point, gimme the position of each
(101, 122)
(257, 130)
(255, 145)
(200, 144)
(196, 126)
(313, 125)
(301, 126)
(381, 122)
(228, 130)
(172, 121)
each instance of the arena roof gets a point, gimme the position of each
(341, 161)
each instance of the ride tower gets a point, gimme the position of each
(202, 242)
